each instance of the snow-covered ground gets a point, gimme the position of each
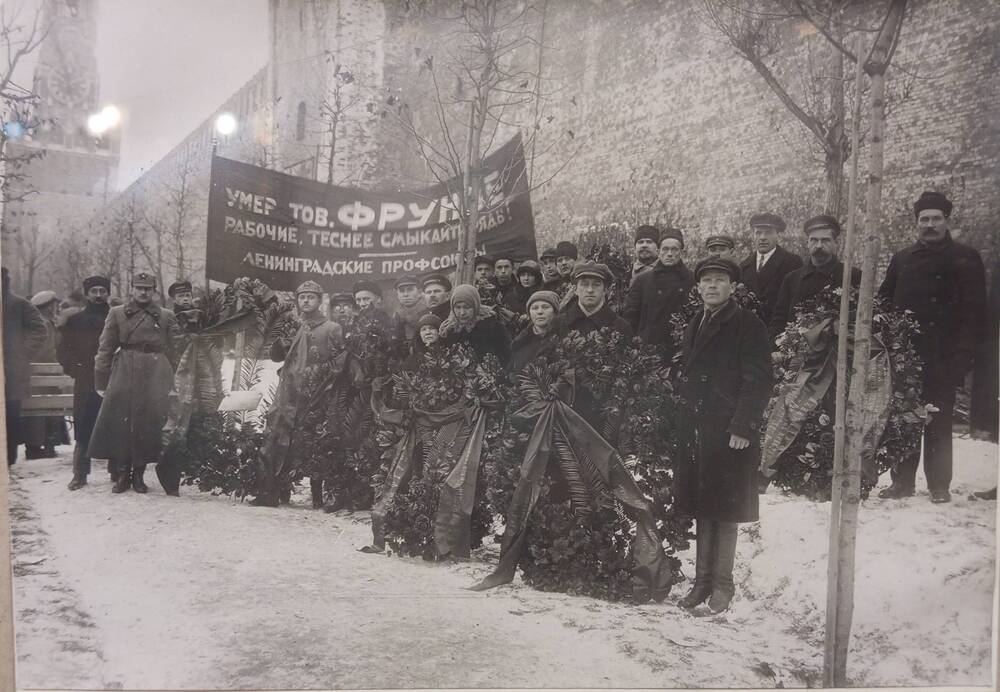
(134, 591)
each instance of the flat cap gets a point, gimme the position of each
(548, 253)
(365, 285)
(43, 298)
(309, 287)
(92, 281)
(933, 200)
(178, 286)
(822, 222)
(767, 220)
(675, 233)
(144, 280)
(567, 249)
(482, 259)
(719, 264)
(407, 280)
(595, 270)
(725, 240)
(341, 298)
(439, 279)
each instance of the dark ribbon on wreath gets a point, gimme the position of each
(796, 400)
(458, 424)
(562, 435)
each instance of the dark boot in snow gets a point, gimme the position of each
(702, 588)
(316, 488)
(723, 588)
(138, 484)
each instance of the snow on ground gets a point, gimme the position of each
(136, 591)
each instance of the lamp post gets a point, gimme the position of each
(99, 124)
(225, 125)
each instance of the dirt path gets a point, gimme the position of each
(150, 591)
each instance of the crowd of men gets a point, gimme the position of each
(122, 358)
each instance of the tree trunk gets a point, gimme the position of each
(836, 145)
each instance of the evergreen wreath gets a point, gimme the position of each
(806, 467)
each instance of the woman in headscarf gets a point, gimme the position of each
(539, 337)
(529, 280)
(475, 325)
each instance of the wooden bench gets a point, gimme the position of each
(51, 392)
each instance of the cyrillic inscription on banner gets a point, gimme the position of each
(284, 230)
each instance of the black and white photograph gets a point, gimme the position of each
(522, 344)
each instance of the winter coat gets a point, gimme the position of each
(76, 350)
(404, 326)
(486, 336)
(986, 377)
(802, 284)
(726, 381)
(653, 297)
(517, 300)
(23, 334)
(135, 363)
(766, 283)
(944, 285)
(47, 353)
(317, 341)
(527, 346)
(574, 319)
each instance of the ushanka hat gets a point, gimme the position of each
(92, 281)
(646, 232)
(932, 200)
(674, 233)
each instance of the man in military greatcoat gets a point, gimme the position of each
(726, 384)
(824, 269)
(23, 334)
(77, 350)
(943, 283)
(765, 268)
(134, 373)
(658, 293)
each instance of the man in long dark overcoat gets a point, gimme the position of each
(726, 384)
(944, 284)
(765, 268)
(134, 372)
(23, 334)
(43, 433)
(77, 347)
(656, 294)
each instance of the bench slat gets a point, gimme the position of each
(46, 369)
(48, 402)
(58, 381)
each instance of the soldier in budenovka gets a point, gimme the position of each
(76, 350)
(134, 373)
(943, 283)
(726, 381)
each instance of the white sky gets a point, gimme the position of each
(167, 64)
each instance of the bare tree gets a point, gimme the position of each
(35, 251)
(341, 99)
(482, 77)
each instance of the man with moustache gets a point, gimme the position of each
(76, 350)
(823, 270)
(134, 373)
(769, 264)
(647, 248)
(657, 294)
(722, 246)
(437, 295)
(943, 283)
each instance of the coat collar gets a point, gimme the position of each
(603, 317)
(133, 308)
(680, 267)
(695, 341)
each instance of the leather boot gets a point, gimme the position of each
(316, 488)
(702, 587)
(123, 481)
(285, 496)
(723, 587)
(113, 471)
(896, 491)
(77, 482)
(138, 484)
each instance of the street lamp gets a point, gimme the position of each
(99, 124)
(225, 125)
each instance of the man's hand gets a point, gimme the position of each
(101, 392)
(737, 442)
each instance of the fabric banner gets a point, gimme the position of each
(284, 230)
